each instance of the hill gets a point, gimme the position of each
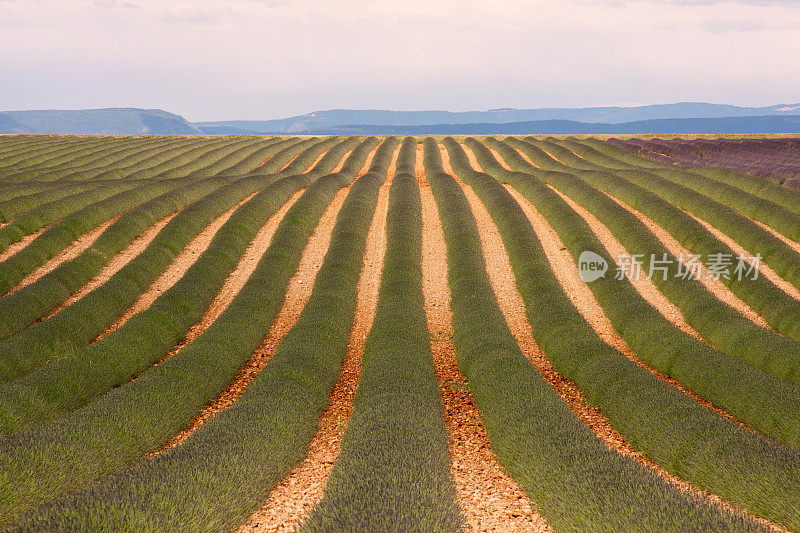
(131, 121)
(726, 125)
(327, 120)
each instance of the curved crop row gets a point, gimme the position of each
(725, 206)
(61, 338)
(242, 150)
(50, 461)
(621, 155)
(563, 155)
(535, 434)
(146, 338)
(113, 157)
(591, 155)
(774, 160)
(151, 164)
(656, 418)
(133, 160)
(336, 153)
(10, 191)
(54, 171)
(60, 235)
(14, 149)
(126, 158)
(306, 150)
(765, 403)
(33, 302)
(255, 159)
(393, 468)
(785, 198)
(784, 221)
(305, 159)
(22, 203)
(52, 150)
(211, 481)
(189, 162)
(59, 155)
(104, 155)
(51, 212)
(756, 400)
(781, 311)
(83, 321)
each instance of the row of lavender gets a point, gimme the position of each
(776, 159)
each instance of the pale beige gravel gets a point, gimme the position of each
(794, 245)
(393, 163)
(714, 286)
(339, 166)
(289, 163)
(524, 156)
(473, 161)
(116, 264)
(238, 277)
(20, 245)
(551, 156)
(720, 290)
(419, 165)
(297, 294)
(513, 307)
(583, 298)
(763, 269)
(315, 163)
(446, 166)
(575, 154)
(500, 159)
(645, 287)
(264, 162)
(76, 248)
(293, 498)
(4, 224)
(179, 266)
(490, 500)
(368, 162)
(291, 501)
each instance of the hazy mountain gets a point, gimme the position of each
(322, 120)
(670, 118)
(9, 125)
(763, 124)
(131, 121)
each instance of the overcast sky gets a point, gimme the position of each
(260, 59)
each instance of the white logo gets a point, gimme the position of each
(591, 266)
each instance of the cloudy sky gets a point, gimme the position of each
(259, 59)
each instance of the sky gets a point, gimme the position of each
(263, 59)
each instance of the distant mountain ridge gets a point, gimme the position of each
(723, 125)
(668, 118)
(120, 121)
(334, 118)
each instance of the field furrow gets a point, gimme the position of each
(117, 263)
(535, 398)
(353, 333)
(73, 250)
(297, 294)
(291, 500)
(176, 270)
(487, 496)
(615, 398)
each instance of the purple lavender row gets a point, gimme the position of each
(774, 159)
